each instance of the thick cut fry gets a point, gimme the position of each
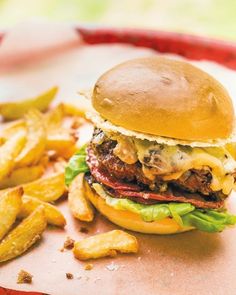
(10, 206)
(53, 215)
(16, 110)
(8, 151)
(107, 244)
(78, 203)
(11, 128)
(48, 188)
(62, 143)
(79, 107)
(36, 140)
(54, 118)
(24, 235)
(22, 176)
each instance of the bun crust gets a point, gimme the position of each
(164, 97)
(132, 221)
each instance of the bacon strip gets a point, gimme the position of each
(194, 199)
(121, 189)
(103, 177)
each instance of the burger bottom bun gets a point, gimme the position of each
(132, 221)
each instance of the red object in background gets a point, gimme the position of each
(191, 47)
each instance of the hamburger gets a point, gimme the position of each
(161, 158)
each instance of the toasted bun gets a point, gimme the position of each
(132, 221)
(164, 97)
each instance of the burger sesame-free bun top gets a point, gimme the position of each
(164, 97)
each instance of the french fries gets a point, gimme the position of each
(106, 244)
(78, 204)
(16, 110)
(47, 189)
(33, 155)
(10, 206)
(36, 140)
(21, 176)
(24, 235)
(8, 151)
(53, 215)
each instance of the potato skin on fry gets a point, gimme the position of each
(78, 203)
(8, 151)
(24, 235)
(53, 215)
(48, 189)
(21, 176)
(15, 110)
(36, 140)
(10, 206)
(106, 244)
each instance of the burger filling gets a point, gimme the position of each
(157, 181)
(205, 176)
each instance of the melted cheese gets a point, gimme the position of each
(170, 162)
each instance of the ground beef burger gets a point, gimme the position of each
(160, 159)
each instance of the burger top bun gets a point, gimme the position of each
(164, 97)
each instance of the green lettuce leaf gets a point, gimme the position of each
(184, 214)
(76, 165)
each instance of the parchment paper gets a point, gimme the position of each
(189, 263)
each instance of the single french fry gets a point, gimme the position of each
(53, 215)
(54, 118)
(36, 140)
(24, 235)
(8, 151)
(21, 176)
(62, 143)
(9, 129)
(78, 107)
(106, 244)
(78, 203)
(48, 189)
(10, 206)
(16, 110)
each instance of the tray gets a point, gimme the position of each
(189, 46)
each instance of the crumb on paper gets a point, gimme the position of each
(24, 277)
(84, 230)
(69, 276)
(139, 258)
(69, 243)
(62, 249)
(88, 266)
(97, 279)
(112, 266)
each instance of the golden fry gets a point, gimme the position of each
(24, 235)
(78, 107)
(78, 203)
(54, 118)
(62, 143)
(53, 215)
(36, 140)
(48, 189)
(8, 151)
(16, 110)
(21, 176)
(107, 244)
(11, 128)
(10, 206)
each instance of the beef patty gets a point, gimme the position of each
(192, 181)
